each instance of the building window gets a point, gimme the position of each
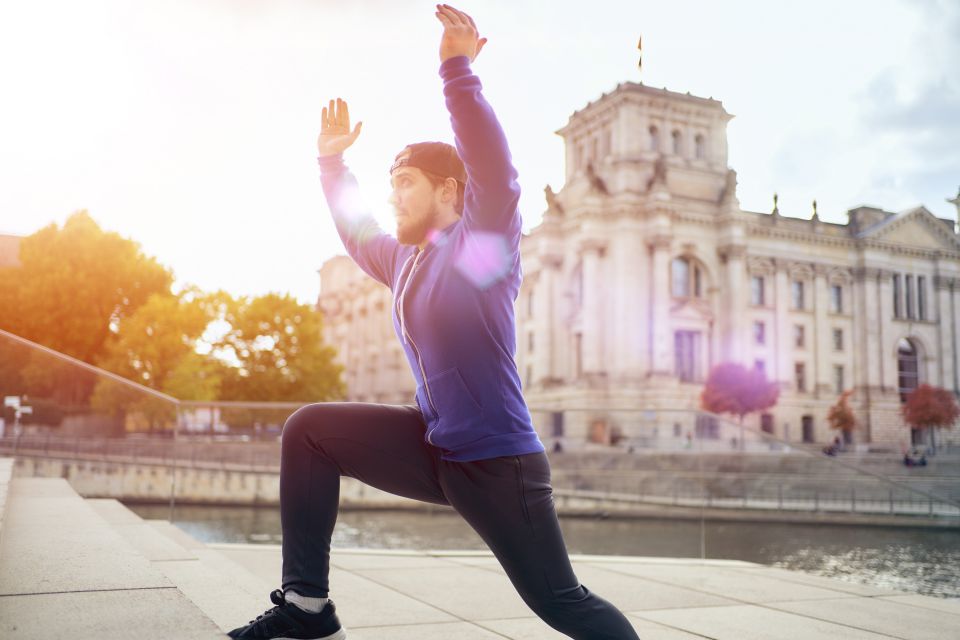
(681, 278)
(578, 156)
(530, 304)
(766, 422)
(921, 297)
(759, 333)
(897, 311)
(686, 345)
(686, 278)
(760, 366)
(699, 147)
(529, 377)
(756, 291)
(838, 339)
(707, 427)
(908, 281)
(797, 291)
(838, 378)
(836, 298)
(594, 149)
(530, 341)
(800, 373)
(677, 146)
(799, 336)
(557, 426)
(654, 139)
(907, 368)
(806, 425)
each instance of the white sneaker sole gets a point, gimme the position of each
(339, 634)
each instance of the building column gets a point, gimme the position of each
(886, 363)
(783, 335)
(661, 346)
(545, 341)
(951, 325)
(823, 330)
(629, 327)
(594, 303)
(733, 305)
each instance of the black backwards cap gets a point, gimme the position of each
(439, 158)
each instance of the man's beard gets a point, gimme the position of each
(413, 230)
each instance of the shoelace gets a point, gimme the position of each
(276, 597)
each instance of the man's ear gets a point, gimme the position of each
(450, 188)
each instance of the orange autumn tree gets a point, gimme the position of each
(841, 417)
(930, 408)
(734, 389)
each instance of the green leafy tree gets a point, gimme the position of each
(275, 345)
(157, 347)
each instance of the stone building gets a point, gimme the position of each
(645, 272)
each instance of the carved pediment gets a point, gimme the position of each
(915, 228)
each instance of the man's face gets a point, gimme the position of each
(414, 201)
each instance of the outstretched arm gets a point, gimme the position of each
(492, 192)
(373, 250)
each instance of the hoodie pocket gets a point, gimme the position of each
(460, 415)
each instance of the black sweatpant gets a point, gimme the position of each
(507, 500)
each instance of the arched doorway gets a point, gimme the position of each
(908, 373)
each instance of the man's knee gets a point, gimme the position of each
(309, 419)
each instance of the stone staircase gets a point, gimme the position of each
(76, 568)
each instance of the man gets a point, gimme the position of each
(469, 442)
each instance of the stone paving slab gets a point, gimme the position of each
(752, 622)
(53, 541)
(442, 631)
(151, 544)
(219, 597)
(141, 614)
(176, 534)
(946, 605)
(757, 588)
(352, 592)
(895, 618)
(535, 629)
(832, 584)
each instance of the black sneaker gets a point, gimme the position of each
(287, 621)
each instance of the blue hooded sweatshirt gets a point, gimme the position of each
(453, 301)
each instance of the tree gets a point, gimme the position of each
(277, 344)
(929, 407)
(158, 348)
(841, 417)
(734, 389)
(74, 289)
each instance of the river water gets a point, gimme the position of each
(924, 561)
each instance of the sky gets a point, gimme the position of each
(190, 126)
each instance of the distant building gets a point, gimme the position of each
(645, 273)
(357, 322)
(9, 251)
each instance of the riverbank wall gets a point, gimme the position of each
(146, 483)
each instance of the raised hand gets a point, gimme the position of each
(460, 36)
(335, 134)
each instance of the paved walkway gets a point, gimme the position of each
(76, 568)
